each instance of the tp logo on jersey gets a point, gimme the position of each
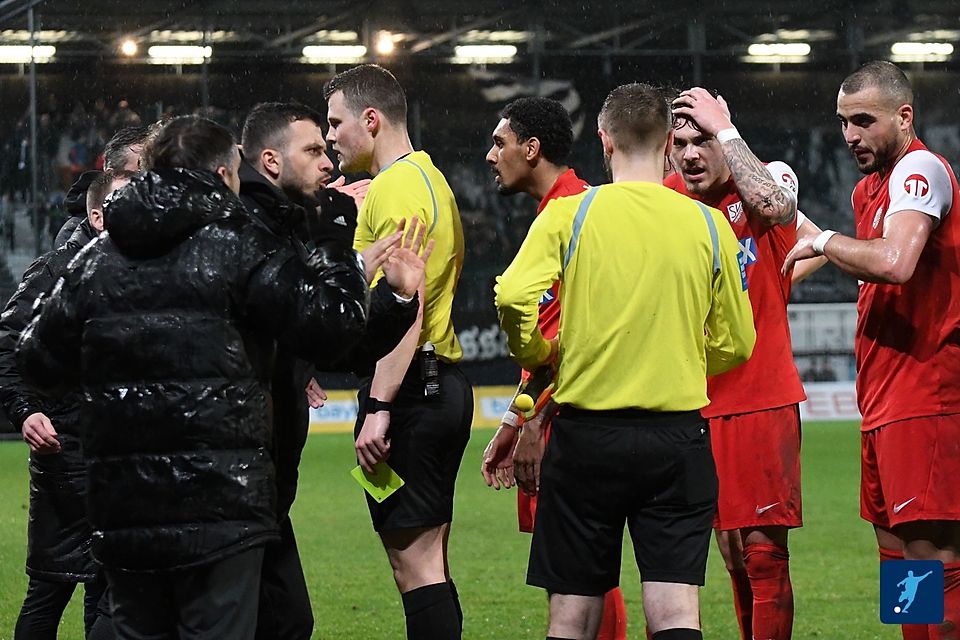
(916, 185)
(789, 182)
(911, 592)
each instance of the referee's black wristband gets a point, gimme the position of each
(375, 405)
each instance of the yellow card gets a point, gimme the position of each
(381, 483)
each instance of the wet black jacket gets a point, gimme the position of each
(331, 218)
(172, 318)
(58, 535)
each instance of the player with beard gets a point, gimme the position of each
(906, 256)
(754, 409)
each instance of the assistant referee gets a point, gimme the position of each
(653, 300)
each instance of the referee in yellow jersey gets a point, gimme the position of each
(654, 300)
(416, 408)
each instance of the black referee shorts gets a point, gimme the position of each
(427, 441)
(651, 470)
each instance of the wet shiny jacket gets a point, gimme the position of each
(172, 318)
(332, 219)
(58, 534)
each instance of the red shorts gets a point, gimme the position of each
(909, 471)
(758, 464)
(527, 505)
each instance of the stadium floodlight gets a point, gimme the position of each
(483, 53)
(334, 53)
(488, 37)
(385, 44)
(777, 52)
(921, 51)
(179, 54)
(784, 49)
(189, 37)
(20, 53)
(333, 35)
(41, 35)
(128, 48)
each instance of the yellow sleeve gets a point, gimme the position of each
(518, 291)
(730, 332)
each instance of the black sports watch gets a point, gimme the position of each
(375, 405)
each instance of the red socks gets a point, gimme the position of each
(768, 568)
(613, 626)
(950, 628)
(910, 631)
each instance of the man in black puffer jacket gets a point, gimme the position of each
(172, 318)
(58, 534)
(283, 184)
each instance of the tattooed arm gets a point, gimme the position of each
(760, 192)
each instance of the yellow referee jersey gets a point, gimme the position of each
(653, 298)
(413, 186)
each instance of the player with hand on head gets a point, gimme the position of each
(753, 411)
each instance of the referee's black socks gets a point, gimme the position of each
(431, 613)
(678, 634)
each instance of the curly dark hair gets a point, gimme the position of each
(543, 119)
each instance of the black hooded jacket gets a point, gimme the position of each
(58, 535)
(331, 219)
(171, 319)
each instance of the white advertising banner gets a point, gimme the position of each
(825, 401)
(829, 401)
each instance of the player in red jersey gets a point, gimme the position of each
(907, 257)
(529, 152)
(753, 411)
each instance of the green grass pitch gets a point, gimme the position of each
(834, 559)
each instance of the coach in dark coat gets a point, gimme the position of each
(172, 317)
(283, 184)
(58, 534)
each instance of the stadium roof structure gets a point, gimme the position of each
(812, 32)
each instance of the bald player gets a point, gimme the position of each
(906, 256)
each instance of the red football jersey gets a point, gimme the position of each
(769, 379)
(908, 336)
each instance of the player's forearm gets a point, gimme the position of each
(392, 368)
(879, 260)
(805, 268)
(760, 194)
